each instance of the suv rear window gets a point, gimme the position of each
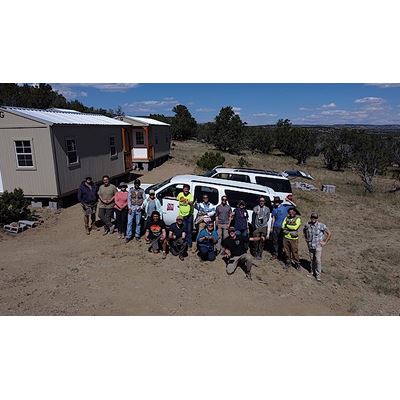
(251, 199)
(278, 185)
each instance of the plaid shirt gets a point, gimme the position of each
(314, 234)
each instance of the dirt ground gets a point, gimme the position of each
(56, 269)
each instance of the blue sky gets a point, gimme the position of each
(255, 103)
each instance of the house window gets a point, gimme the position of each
(24, 153)
(72, 153)
(139, 137)
(113, 148)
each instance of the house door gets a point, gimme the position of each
(126, 144)
(151, 152)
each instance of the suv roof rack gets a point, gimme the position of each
(262, 171)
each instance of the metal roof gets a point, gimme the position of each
(63, 110)
(63, 118)
(146, 121)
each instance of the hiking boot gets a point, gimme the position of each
(87, 230)
(137, 239)
(181, 257)
(106, 233)
(318, 279)
(258, 257)
(164, 255)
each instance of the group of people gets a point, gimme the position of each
(218, 229)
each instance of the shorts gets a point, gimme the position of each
(89, 209)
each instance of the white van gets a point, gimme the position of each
(168, 190)
(274, 180)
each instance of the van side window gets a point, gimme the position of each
(239, 178)
(212, 193)
(171, 191)
(251, 199)
(278, 185)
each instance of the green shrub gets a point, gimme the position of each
(243, 162)
(209, 160)
(13, 206)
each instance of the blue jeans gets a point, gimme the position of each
(137, 215)
(188, 227)
(207, 253)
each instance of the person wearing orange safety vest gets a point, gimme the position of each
(290, 229)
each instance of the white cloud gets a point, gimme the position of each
(237, 109)
(69, 93)
(264, 114)
(304, 109)
(384, 85)
(204, 109)
(330, 105)
(149, 106)
(370, 100)
(108, 87)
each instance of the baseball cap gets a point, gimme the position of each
(231, 229)
(152, 191)
(314, 215)
(179, 218)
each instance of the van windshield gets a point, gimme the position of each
(209, 174)
(157, 186)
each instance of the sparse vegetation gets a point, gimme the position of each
(13, 206)
(209, 160)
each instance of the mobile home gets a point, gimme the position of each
(147, 143)
(48, 153)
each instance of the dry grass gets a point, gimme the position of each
(363, 253)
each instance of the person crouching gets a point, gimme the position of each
(206, 240)
(177, 239)
(156, 234)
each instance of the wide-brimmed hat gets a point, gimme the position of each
(231, 229)
(277, 199)
(122, 184)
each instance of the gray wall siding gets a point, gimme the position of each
(9, 120)
(94, 154)
(162, 148)
(37, 182)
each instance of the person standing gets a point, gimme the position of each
(186, 199)
(87, 196)
(156, 234)
(241, 220)
(206, 241)
(317, 235)
(135, 202)
(121, 209)
(261, 215)
(177, 239)
(151, 204)
(106, 195)
(290, 229)
(234, 253)
(205, 212)
(223, 217)
(279, 213)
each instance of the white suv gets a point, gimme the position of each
(274, 180)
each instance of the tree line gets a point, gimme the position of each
(42, 96)
(368, 154)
